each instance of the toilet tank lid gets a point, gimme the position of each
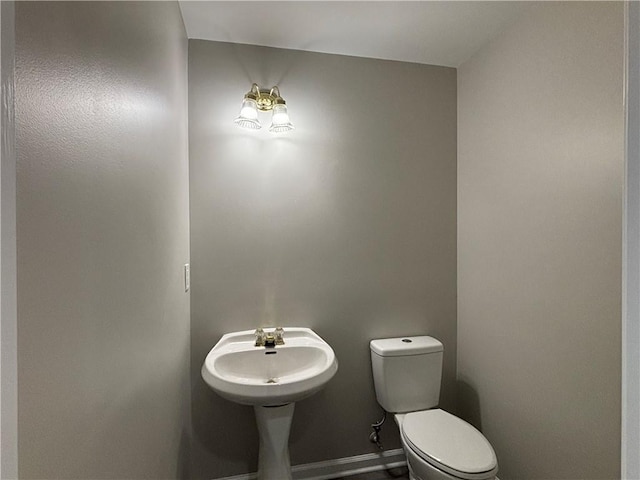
(395, 347)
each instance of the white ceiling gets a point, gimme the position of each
(431, 32)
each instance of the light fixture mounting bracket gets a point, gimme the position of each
(265, 99)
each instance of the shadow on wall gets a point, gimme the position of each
(184, 454)
(211, 413)
(468, 403)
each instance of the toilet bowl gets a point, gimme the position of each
(407, 372)
(441, 446)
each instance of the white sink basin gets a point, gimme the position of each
(266, 376)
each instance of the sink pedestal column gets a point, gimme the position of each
(274, 424)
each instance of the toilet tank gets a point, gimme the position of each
(407, 372)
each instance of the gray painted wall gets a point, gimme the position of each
(346, 225)
(631, 252)
(8, 307)
(540, 175)
(102, 224)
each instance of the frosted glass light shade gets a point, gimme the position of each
(280, 119)
(248, 117)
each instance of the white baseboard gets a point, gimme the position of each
(340, 467)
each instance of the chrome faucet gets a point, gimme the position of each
(278, 333)
(260, 337)
(269, 339)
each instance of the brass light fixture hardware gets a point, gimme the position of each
(264, 100)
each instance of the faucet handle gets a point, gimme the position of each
(279, 334)
(259, 333)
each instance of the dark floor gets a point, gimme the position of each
(400, 473)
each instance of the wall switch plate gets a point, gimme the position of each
(187, 277)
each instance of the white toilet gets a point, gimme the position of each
(439, 446)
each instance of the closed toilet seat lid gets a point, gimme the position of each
(449, 443)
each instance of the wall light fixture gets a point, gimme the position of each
(260, 99)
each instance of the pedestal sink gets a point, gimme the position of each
(270, 379)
